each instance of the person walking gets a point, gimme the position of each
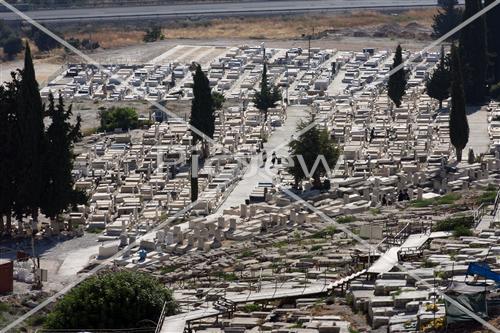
(273, 158)
(264, 158)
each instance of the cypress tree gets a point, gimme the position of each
(397, 81)
(194, 189)
(459, 127)
(473, 54)
(58, 191)
(438, 85)
(202, 109)
(448, 17)
(493, 30)
(266, 98)
(30, 113)
(8, 150)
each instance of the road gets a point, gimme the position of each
(197, 10)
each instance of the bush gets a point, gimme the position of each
(112, 300)
(487, 197)
(118, 117)
(461, 230)
(153, 34)
(452, 223)
(44, 42)
(252, 307)
(346, 219)
(12, 46)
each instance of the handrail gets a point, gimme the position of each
(161, 319)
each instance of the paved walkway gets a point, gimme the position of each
(478, 138)
(278, 142)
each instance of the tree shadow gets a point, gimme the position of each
(471, 109)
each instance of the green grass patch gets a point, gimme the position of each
(345, 219)
(246, 253)
(375, 211)
(443, 200)
(280, 244)
(252, 307)
(227, 276)
(315, 248)
(95, 230)
(461, 231)
(4, 307)
(451, 223)
(168, 269)
(487, 197)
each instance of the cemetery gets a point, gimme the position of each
(384, 239)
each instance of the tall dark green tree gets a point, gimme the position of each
(459, 126)
(267, 97)
(448, 17)
(310, 146)
(493, 31)
(58, 189)
(438, 85)
(31, 143)
(396, 87)
(8, 150)
(202, 109)
(474, 54)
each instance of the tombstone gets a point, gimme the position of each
(253, 210)
(420, 193)
(211, 228)
(170, 238)
(366, 194)
(243, 211)
(221, 222)
(293, 216)
(160, 236)
(232, 224)
(346, 198)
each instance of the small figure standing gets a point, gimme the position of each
(264, 158)
(273, 158)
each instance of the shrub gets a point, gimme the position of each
(118, 117)
(112, 300)
(346, 219)
(452, 223)
(252, 307)
(460, 231)
(487, 197)
(12, 46)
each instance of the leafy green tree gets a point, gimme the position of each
(396, 87)
(118, 117)
(459, 126)
(202, 109)
(307, 149)
(438, 85)
(473, 53)
(112, 300)
(267, 97)
(218, 99)
(31, 143)
(448, 17)
(8, 149)
(12, 46)
(493, 28)
(58, 191)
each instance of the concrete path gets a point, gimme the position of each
(278, 142)
(478, 138)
